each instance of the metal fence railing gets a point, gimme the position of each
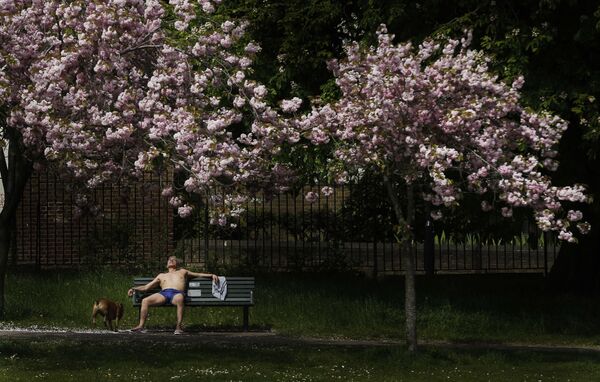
(288, 233)
(346, 230)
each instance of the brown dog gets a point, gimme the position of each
(109, 310)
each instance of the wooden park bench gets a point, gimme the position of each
(240, 292)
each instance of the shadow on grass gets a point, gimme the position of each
(67, 360)
(197, 328)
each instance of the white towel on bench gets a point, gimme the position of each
(220, 290)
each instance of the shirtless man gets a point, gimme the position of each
(172, 284)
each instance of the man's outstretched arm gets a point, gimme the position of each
(144, 288)
(207, 275)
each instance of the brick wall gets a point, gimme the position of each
(135, 224)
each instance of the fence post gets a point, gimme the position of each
(375, 262)
(206, 221)
(546, 254)
(38, 253)
(13, 240)
(428, 248)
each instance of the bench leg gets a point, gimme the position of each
(245, 318)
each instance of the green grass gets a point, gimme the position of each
(496, 308)
(65, 360)
(492, 308)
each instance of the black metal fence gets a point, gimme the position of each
(351, 229)
(336, 233)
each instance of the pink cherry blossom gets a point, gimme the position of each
(292, 105)
(327, 191)
(311, 197)
(105, 91)
(436, 116)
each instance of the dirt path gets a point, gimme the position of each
(265, 338)
(269, 339)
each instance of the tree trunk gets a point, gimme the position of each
(410, 297)
(4, 249)
(14, 173)
(404, 235)
(577, 266)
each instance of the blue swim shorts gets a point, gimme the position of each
(169, 293)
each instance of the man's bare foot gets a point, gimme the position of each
(138, 329)
(178, 331)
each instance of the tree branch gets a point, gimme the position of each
(3, 170)
(19, 171)
(153, 46)
(393, 196)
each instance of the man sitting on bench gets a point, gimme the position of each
(172, 284)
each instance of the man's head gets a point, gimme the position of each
(173, 262)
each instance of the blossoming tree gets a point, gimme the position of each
(437, 124)
(107, 90)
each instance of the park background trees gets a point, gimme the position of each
(107, 91)
(435, 124)
(551, 43)
(521, 38)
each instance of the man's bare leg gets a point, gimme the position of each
(152, 300)
(178, 300)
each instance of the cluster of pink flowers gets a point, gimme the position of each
(108, 91)
(436, 115)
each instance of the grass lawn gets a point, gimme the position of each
(492, 308)
(66, 360)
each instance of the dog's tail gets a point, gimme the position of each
(120, 311)
(95, 311)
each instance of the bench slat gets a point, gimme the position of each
(249, 283)
(211, 304)
(200, 279)
(217, 301)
